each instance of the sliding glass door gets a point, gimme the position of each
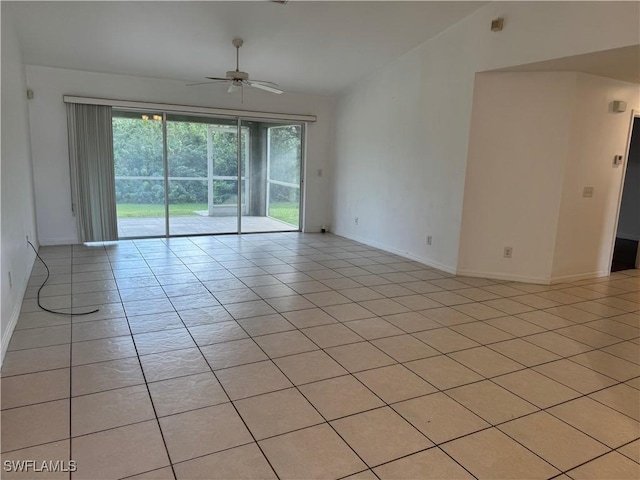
(192, 175)
(274, 177)
(202, 161)
(284, 165)
(139, 174)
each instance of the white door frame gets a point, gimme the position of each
(244, 160)
(634, 114)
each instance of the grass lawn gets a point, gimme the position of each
(285, 212)
(146, 210)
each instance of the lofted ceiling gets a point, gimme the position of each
(312, 47)
(618, 63)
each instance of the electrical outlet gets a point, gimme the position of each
(10, 281)
(508, 252)
(355, 221)
(587, 192)
(429, 239)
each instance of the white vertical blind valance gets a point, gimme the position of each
(172, 108)
(92, 171)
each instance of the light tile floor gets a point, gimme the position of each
(312, 356)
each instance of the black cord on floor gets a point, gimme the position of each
(45, 282)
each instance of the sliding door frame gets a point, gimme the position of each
(207, 113)
(165, 158)
(239, 165)
(269, 181)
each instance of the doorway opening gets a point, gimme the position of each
(626, 251)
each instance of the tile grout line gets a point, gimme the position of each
(300, 393)
(413, 425)
(490, 379)
(475, 320)
(230, 401)
(621, 340)
(471, 301)
(391, 405)
(373, 368)
(385, 404)
(71, 372)
(144, 377)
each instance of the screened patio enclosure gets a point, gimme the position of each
(190, 175)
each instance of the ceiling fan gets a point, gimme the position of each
(238, 79)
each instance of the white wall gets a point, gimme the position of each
(629, 221)
(18, 212)
(537, 139)
(402, 134)
(518, 146)
(586, 226)
(56, 225)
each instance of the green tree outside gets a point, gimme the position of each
(138, 153)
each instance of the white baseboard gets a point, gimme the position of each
(15, 314)
(579, 276)
(6, 338)
(628, 236)
(402, 253)
(502, 276)
(47, 242)
(314, 229)
(541, 281)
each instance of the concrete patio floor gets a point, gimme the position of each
(195, 224)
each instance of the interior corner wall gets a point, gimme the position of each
(518, 146)
(318, 168)
(402, 134)
(56, 224)
(18, 211)
(586, 226)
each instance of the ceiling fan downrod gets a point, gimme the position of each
(237, 42)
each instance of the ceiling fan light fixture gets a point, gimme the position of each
(239, 79)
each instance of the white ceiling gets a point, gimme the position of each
(315, 47)
(618, 63)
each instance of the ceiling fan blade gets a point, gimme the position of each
(265, 82)
(266, 88)
(218, 78)
(205, 83)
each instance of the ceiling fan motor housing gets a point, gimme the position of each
(236, 75)
(240, 79)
